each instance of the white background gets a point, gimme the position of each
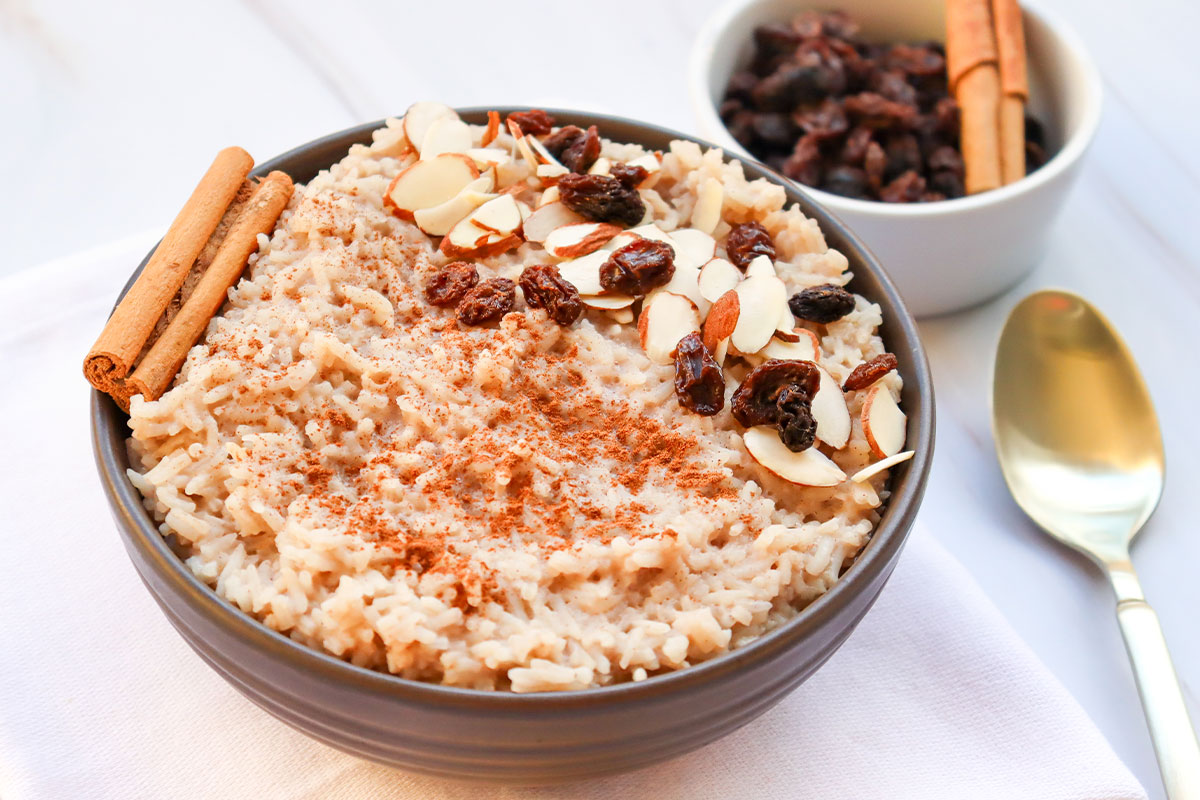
(109, 112)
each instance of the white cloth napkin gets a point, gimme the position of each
(934, 696)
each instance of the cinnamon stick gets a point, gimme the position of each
(158, 368)
(132, 322)
(1014, 86)
(972, 64)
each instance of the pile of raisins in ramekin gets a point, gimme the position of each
(862, 120)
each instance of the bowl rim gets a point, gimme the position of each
(109, 431)
(710, 38)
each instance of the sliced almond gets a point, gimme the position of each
(760, 265)
(717, 277)
(549, 196)
(830, 412)
(760, 298)
(429, 183)
(685, 281)
(493, 129)
(543, 155)
(446, 135)
(620, 240)
(883, 422)
(651, 164)
(809, 467)
(584, 273)
(485, 157)
(652, 231)
(665, 320)
(419, 117)
(805, 348)
(707, 212)
(547, 218)
(872, 470)
(602, 167)
(525, 210)
(692, 247)
(500, 216)
(523, 146)
(439, 220)
(550, 173)
(579, 239)
(607, 302)
(721, 351)
(722, 320)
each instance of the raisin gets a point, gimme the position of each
(580, 154)
(874, 164)
(948, 184)
(638, 267)
(774, 128)
(797, 428)
(776, 38)
(945, 111)
(788, 86)
(854, 150)
(946, 158)
(628, 174)
(741, 84)
(535, 121)
(602, 198)
(488, 301)
(868, 372)
(450, 283)
(756, 400)
(746, 242)
(825, 121)
(1035, 156)
(847, 182)
(823, 304)
(915, 60)
(903, 154)
(893, 85)
(557, 143)
(544, 287)
(699, 382)
(804, 164)
(876, 111)
(907, 188)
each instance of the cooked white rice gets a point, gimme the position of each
(518, 506)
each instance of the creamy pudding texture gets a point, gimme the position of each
(516, 505)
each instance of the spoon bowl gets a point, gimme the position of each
(1080, 448)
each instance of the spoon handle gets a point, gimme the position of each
(1166, 715)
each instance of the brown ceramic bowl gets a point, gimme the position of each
(530, 738)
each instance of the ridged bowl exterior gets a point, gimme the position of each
(503, 737)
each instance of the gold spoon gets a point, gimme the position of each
(1079, 445)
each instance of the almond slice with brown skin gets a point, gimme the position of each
(872, 470)
(883, 422)
(492, 130)
(430, 183)
(692, 247)
(717, 277)
(543, 155)
(721, 320)
(579, 239)
(419, 117)
(486, 231)
(446, 135)
(523, 146)
(809, 467)
(760, 298)
(485, 157)
(550, 173)
(548, 218)
(665, 319)
(501, 216)
(685, 281)
(830, 412)
(805, 348)
(439, 220)
(584, 273)
(551, 195)
(607, 302)
(707, 211)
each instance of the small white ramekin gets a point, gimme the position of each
(952, 254)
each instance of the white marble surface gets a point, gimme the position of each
(111, 110)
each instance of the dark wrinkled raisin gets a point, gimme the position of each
(915, 60)
(824, 121)
(945, 111)
(544, 287)
(847, 182)
(755, 402)
(627, 174)
(907, 188)
(450, 283)
(774, 128)
(1035, 156)
(556, 143)
(487, 301)
(1034, 132)
(946, 158)
(699, 382)
(824, 304)
(741, 84)
(638, 267)
(777, 38)
(746, 242)
(804, 164)
(580, 154)
(893, 85)
(903, 154)
(797, 428)
(876, 111)
(788, 86)
(868, 372)
(855, 147)
(535, 121)
(931, 197)
(874, 164)
(602, 198)
(947, 183)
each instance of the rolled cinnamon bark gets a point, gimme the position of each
(159, 366)
(132, 322)
(973, 70)
(1014, 86)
